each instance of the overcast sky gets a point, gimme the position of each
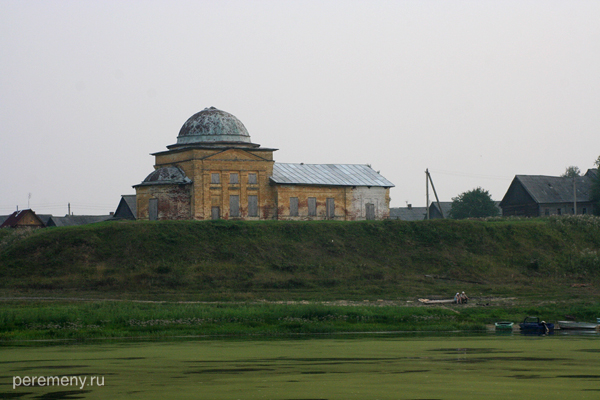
(476, 91)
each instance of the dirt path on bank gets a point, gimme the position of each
(473, 302)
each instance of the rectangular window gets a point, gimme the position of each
(312, 206)
(253, 206)
(252, 180)
(215, 178)
(547, 211)
(559, 211)
(215, 212)
(293, 206)
(234, 178)
(330, 208)
(153, 209)
(234, 206)
(584, 210)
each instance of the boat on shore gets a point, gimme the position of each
(445, 301)
(535, 326)
(577, 325)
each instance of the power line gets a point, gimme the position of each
(497, 177)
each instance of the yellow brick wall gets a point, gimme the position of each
(199, 164)
(321, 193)
(273, 200)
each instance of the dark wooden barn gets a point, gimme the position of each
(539, 195)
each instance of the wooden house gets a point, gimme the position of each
(539, 195)
(23, 219)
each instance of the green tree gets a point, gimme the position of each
(476, 203)
(571, 172)
(595, 192)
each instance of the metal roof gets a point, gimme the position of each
(328, 175)
(166, 176)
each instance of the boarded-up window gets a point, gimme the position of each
(253, 206)
(153, 209)
(252, 180)
(215, 212)
(330, 208)
(234, 178)
(215, 178)
(370, 211)
(312, 206)
(293, 206)
(234, 206)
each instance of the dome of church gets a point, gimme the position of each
(212, 125)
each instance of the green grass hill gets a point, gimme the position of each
(275, 260)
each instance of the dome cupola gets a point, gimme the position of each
(212, 125)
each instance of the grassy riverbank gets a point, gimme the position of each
(555, 258)
(272, 277)
(85, 320)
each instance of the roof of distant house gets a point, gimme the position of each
(127, 207)
(408, 213)
(13, 219)
(72, 220)
(556, 189)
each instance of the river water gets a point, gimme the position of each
(449, 366)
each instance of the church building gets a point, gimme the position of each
(215, 171)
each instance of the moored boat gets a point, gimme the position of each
(534, 325)
(576, 325)
(504, 326)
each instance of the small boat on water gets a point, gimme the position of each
(534, 325)
(504, 325)
(576, 325)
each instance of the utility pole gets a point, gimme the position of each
(437, 200)
(574, 196)
(427, 191)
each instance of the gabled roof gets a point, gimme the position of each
(45, 218)
(13, 220)
(408, 213)
(328, 175)
(72, 220)
(555, 189)
(434, 210)
(127, 208)
(592, 173)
